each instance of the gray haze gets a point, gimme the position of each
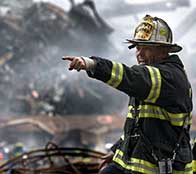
(43, 70)
(180, 19)
(36, 80)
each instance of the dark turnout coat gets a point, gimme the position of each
(159, 113)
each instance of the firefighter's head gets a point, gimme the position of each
(153, 39)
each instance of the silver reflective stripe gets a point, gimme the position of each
(116, 75)
(190, 92)
(145, 168)
(189, 169)
(155, 90)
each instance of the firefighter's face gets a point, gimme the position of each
(150, 54)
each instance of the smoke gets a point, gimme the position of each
(69, 92)
(36, 80)
(43, 71)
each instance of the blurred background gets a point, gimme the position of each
(41, 100)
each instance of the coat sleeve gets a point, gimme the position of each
(140, 81)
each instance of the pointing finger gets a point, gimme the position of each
(70, 58)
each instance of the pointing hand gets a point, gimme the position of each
(77, 63)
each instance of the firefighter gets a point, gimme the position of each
(156, 132)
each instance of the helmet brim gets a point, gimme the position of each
(174, 48)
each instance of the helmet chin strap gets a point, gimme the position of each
(131, 46)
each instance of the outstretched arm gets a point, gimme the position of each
(79, 62)
(141, 81)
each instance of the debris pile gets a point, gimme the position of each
(54, 159)
(33, 132)
(32, 76)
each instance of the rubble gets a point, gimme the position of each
(32, 43)
(54, 159)
(95, 132)
(35, 88)
(33, 133)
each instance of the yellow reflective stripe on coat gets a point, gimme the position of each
(142, 166)
(116, 75)
(137, 165)
(194, 165)
(188, 170)
(155, 90)
(130, 115)
(151, 111)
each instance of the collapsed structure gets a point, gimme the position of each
(33, 42)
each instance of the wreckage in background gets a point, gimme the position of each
(54, 159)
(34, 37)
(82, 131)
(33, 79)
(21, 135)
